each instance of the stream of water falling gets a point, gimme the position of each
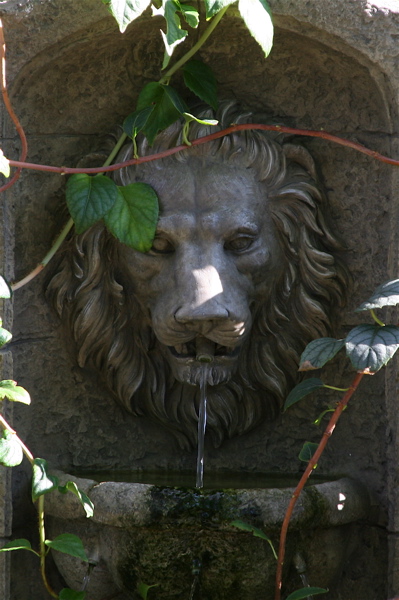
(201, 429)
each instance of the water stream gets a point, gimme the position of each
(201, 428)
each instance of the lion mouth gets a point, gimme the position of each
(189, 350)
(200, 357)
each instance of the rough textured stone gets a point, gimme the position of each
(150, 533)
(72, 77)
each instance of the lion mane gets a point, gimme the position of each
(92, 294)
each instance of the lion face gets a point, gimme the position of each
(214, 258)
(243, 273)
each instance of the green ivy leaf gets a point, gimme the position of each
(215, 6)
(301, 390)
(189, 118)
(9, 389)
(174, 35)
(370, 347)
(4, 165)
(387, 294)
(319, 352)
(11, 453)
(68, 594)
(85, 501)
(20, 544)
(190, 14)
(67, 543)
(89, 199)
(143, 589)
(306, 593)
(126, 11)
(255, 532)
(42, 481)
(258, 18)
(136, 121)
(199, 78)
(5, 336)
(307, 452)
(5, 288)
(167, 108)
(133, 218)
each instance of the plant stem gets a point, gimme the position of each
(337, 389)
(116, 149)
(311, 464)
(151, 157)
(196, 46)
(43, 548)
(46, 259)
(25, 450)
(376, 319)
(208, 138)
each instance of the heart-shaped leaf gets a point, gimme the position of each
(42, 481)
(11, 453)
(386, 294)
(255, 532)
(167, 107)
(9, 389)
(89, 199)
(20, 544)
(133, 218)
(302, 389)
(68, 544)
(189, 118)
(85, 501)
(174, 35)
(258, 18)
(318, 352)
(308, 449)
(215, 6)
(370, 347)
(136, 121)
(190, 14)
(126, 11)
(199, 78)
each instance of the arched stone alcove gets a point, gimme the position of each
(79, 82)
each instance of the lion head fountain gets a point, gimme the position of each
(243, 272)
(243, 267)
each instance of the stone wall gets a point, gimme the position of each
(72, 77)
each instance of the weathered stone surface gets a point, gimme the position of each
(144, 533)
(72, 77)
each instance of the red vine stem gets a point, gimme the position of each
(309, 469)
(10, 110)
(208, 138)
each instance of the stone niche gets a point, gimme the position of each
(73, 77)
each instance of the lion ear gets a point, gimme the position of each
(300, 155)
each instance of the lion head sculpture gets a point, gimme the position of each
(243, 272)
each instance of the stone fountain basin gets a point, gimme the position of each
(180, 539)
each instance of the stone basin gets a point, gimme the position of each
(182, 540)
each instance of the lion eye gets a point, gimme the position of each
(239, 244)
(161, 246)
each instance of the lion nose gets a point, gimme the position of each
(205, 299)
(204, 315)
